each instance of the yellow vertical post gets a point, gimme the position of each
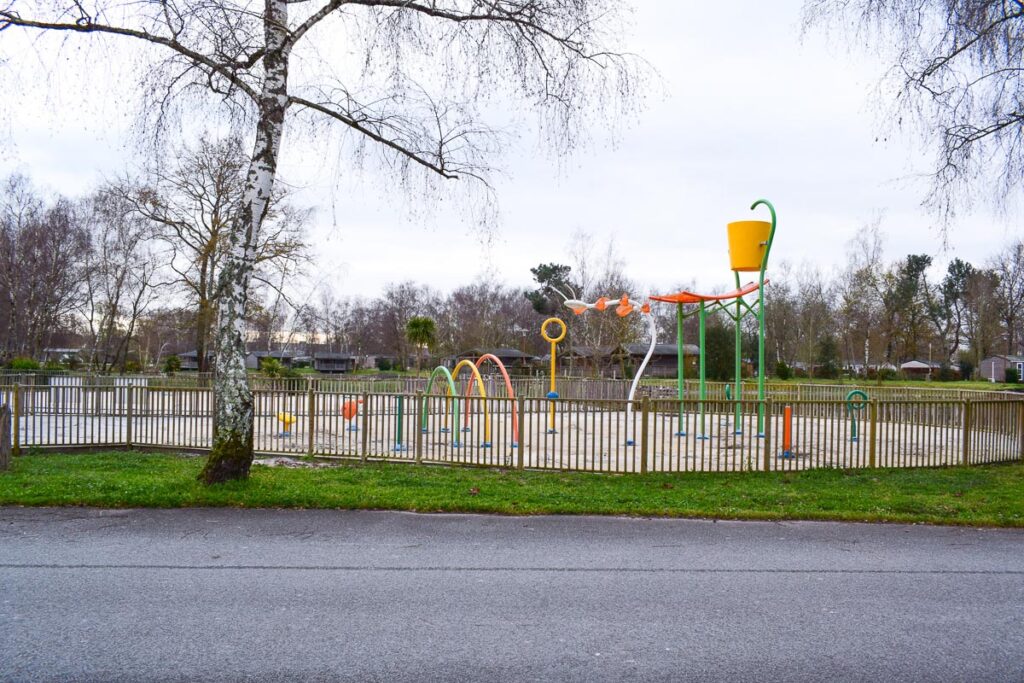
(552, 393)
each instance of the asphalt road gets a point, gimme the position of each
(376, 596)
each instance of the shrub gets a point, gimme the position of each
(23, 363)
(1012, 376)
(946, 373)
(172, 364)
(272, 367)
(966, 366)
(888, 374)
(131, 366)
(783, 371)
(384, 364)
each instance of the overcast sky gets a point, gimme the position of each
(745, 109)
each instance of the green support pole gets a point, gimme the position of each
(738, 391)
(760, 317)
(703, 385)
(680, 371)
(400, 431)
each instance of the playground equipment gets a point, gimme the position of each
(349, 411)
(625, 307)
(286, 420)
(853, 406)
(787, 432)
(453, 398)
(750, 244)
(552, 394)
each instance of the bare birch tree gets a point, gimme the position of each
(555, 54)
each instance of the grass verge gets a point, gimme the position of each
(984, 495)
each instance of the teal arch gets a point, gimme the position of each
(452, 393)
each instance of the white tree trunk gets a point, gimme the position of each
(232, 451)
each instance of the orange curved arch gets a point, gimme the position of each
(508, 385)
(685, 297)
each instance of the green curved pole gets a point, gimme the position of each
(760, 317)
(703, 384)
(439, 370)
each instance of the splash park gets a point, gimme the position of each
(476, 413)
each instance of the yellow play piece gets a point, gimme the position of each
(286, 420)
(747, 241)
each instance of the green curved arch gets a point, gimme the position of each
(452, 393)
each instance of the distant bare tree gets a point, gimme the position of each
(42, 249)
(120, 277)
(555, 55)
(957, 74)
(191, 201)
(1008, 265)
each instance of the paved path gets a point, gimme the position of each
(375, 596)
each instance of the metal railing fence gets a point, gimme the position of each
(580, 434)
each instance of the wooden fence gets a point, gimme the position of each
(587, 434)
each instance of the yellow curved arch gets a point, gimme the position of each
(480, 389)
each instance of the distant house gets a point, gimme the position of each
(994, 368)
(57, 355)
(334, 362)
(511, 358)
(663, 361)
(625, 359)
(254, 358)
(190, 360)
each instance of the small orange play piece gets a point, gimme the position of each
(601, 303)
(645, 309)
(624, 308)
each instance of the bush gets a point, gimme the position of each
(384, 364)
(966, 366)
(52, 366)
(23, 363)
(783, 371)
(1012, 376)
(172, 364)
(946, 373)
(272, 367)
(131, 366)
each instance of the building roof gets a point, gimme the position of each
(272, 354)
(500, 353)
(661, 349)
(1010, 358)
(333, 356)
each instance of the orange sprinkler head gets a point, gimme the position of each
(624, 308)
(601, 303)
(645, 309)
(579, 310)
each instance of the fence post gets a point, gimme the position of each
(417, 417)
(366, 428)
(520, 447)
(16, 423)
(873, 439)
(5, 437)
(768, 434)
(645, 410)
(1020, 429)
(967, 433)
(311, 421)
(129, 412)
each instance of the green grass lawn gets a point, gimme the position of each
(984, 495)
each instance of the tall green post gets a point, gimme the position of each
(703, 384)
(680, 371)
(737, 393)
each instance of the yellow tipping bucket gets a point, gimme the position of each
(747, 242)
